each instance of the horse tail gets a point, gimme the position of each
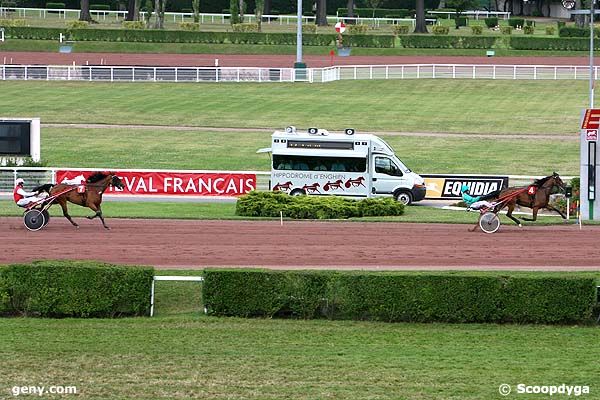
(46, 187)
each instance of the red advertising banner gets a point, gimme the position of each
(173, 183)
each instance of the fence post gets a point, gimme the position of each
(514, 72)
(454, 72)
(494, 72)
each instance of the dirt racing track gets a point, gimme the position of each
(305, 245)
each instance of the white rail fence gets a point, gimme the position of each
(205, 18)
(312, 75)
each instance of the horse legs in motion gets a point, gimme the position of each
(63, 204)
(98, 214)
(510, 209)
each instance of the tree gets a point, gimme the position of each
(84, 15)
(242, 7)
(196, 8)
(234, 11)
(322, 12)
(133, 10)
(159, 12)
(350, 6)
(461, 6)
(374, 4)
(420, 17)
(258, 11)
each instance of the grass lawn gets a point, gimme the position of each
(463, 106)
(182, 354)
(168, 149)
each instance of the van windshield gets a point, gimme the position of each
(403, 167)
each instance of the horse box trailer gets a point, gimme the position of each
(316, 162)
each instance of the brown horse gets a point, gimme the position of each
(536, 197)
(91, 197)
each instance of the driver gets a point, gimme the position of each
(474, 203)
(23, 198)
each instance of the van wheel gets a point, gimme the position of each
(404, 198)
(297, 192)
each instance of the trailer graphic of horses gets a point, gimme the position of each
(355, 182)
(333, 185)
(283, 187)
(314, 188)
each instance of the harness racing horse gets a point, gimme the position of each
(91, 197)
(536, 197)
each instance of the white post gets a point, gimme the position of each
(152, 299)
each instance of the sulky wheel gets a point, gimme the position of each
(489, 222)
(46, 215)
(34, 220)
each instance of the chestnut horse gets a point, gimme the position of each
(91, 197)
(541, 188)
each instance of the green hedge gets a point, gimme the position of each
(270, 204)
(541, 43)
(162, 36)
(573, 31)
(448, 42)
(27, 32)
(396, 297)
(74, 289)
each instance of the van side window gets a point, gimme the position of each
(384, 165)
(312, 163)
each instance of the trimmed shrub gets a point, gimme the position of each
(55, 5)
(528, 30)
(135, 25)
(560, 24)
(12, 22)
(477, 30)
(440, 30)
(262, 293)
(573, 31)
(270, 204)
(245, 27)
(189, 26)
(514, 22)
(400, 29)
(380, 41)
(395, 297)
(550, 30)
(461, 21)
(166, 36)
(358, 29)
(506, 30)
(309, 28)
(27, 32)
(529, 22)
(544, 43)
(491, 22)
(448, 42)
(74, 289)
(77, 24)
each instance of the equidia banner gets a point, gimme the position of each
(448, 186)
(166, 183)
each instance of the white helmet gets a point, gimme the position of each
(19, 181)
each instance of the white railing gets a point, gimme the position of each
(205, 18)
(152, 74)
(475, 13)
(311, 75)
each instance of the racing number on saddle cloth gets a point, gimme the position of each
(532, 190)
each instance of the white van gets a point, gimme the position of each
(315, 162)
